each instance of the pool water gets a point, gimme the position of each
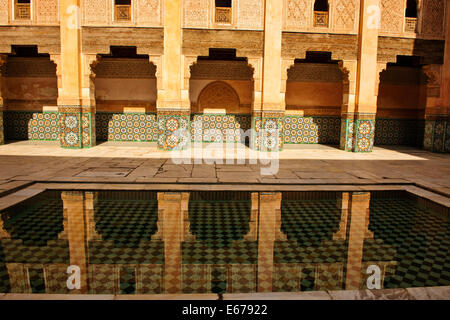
(130, 242)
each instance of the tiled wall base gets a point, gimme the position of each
(311, 130)
(219, 127)
(406, 132)
(173, 130)
(357, 135)
(267, 133)
(437, 136)
(138, 127)
(77, 127)
(24, 125)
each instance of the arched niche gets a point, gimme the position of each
(218, 95)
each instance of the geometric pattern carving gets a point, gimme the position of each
(392, 16)
(311, 130)
(29, 67)
(314, 72)
(433, 17)
(250, 14)
(148, 12)
(47, 11)
(345, 12)
(125, 68)
(218, 95)
(221, 70)
(298, 14)
(4, 11)
(196, 13)
(96, 11)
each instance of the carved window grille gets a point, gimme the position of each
(410, 24)
(321, 19)
(223, 15)
(122, 10)
(22, 10)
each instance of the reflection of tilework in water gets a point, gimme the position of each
(218, 223)
(311, 130)
(126, 222)
(405, 132)
(421, 240)
(219, 127)
(126, 127)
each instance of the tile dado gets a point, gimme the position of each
(437, 135)
(23, 125)
(311, 130)
(138, 127)
(77, 127)
(357, 134)
(219, 127)
(406, 132)
(173, 126)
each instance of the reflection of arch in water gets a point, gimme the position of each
(126, 218)
(218, 219)
(219, 95)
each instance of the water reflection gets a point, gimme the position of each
(199, 242)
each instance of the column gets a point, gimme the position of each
(173, 114)
(358, 125)
(73, 204)
(76, 112)
(358, 231)
(268, 122)
(172, 210)
(437, 130)
(3, 58)
(269, 231)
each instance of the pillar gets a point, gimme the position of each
(437, 130)
(3, 58)
(77, 114)
(267, 122)
(172, 211)
(75, 229)
(358, 231)
(173, 113)
(358, 122)
(268, 232)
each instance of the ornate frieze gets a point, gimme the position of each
(97, 12)
(298, 14)
(125, 68)
(196, 13)
(345, 12)
(315, 72)
(47, 11)
(392, 16)
(29, 67)
(250, 14)
(433, 12)
(148, 12)
(221, 70)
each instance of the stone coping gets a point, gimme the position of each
(423, 293)
(33, 190)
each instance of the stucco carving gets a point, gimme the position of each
(250, 14)
(315, 72)
(345, 14)
(218, 95)
(433, 17)
(298, 14)
(96, 11)
(148, 12)
(47, 11)
(196, 13)
(392, 16)
(4, 11)
(124, 68)
(221, 70)
(30, 67)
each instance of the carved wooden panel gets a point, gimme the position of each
(148, 12)
(250, 14)
(345, 14)
(125, 68)
(315, 72)
(298, 14)
(4, 10)
(47, 11)
(392, 16)
(218, 95)
(96, 12)
(196, 13)
(433, 18)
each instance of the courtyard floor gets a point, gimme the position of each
(26, 162)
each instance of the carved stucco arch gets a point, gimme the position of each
(218, 95)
